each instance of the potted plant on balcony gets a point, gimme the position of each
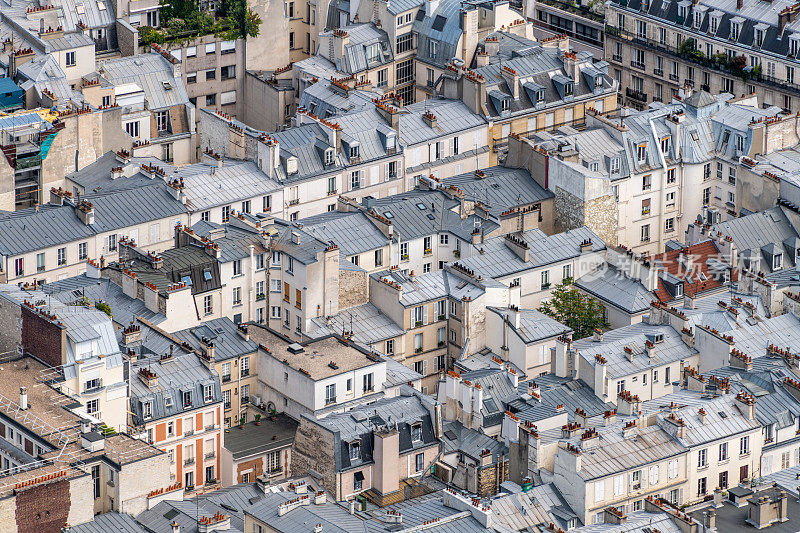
(272, 413)
(257, 419)
(241, 422)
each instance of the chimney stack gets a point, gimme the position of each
(23, 398)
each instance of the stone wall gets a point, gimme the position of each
(127, 38)
(138, 479)
(490, 477)
(10, 326)
(8, 515)
(314, 449)
(353, 288)
(599, 214)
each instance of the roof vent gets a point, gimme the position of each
(295, 348)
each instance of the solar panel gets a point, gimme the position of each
(438, 23)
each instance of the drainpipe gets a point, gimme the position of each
(663, 181)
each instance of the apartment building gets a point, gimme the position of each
(584, 24)
(642, 180)
(68, 232)
(359, 452)
(226, 347)
(532, 263)
(741, 47)
(58, 467)
(209, 67)
(524, 337)
(176, 405)
(259, 449)
(156, 112)
(523, 86)
(84, 360)
(317, 377)
(423, 307)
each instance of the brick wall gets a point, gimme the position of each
(42, 338)
(255, 465)
(44, 508)
(490, 477)
(353, 288)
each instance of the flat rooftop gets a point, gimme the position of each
(320, 358)
(253, 439)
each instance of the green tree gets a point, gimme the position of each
(242, 22)
(182, 9)
(574, 309)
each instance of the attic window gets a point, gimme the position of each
(101, 6)
(598, 81)
(678, 294)
(167, 85)
(438, 23)
(540, 96)
(329, 156)
(372, 52)
(794, 44)
(641, 153)
(355, 450)
(735, 28)
(432, 49)
(665, 145)
(80, 9)
(355, 152)
(505, 104)
(568, 89)
(777, 262)
(594, 166)
(416, 433)
(615, 165)
(713, 23)
(388, 214)
(207, 275)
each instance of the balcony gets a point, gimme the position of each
(330, 400)
(638, 64)
(658, 72)
(635, 95)
(226, 378)
(189, 461)
(294, 201)
(674, 77)
(210, 455)
(688, 82)
(617, 58)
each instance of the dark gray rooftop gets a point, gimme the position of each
(255, 439)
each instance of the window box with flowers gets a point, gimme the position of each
(456, 253)
(260, 296)
(418, 350)
(428, 251)
(418, 323)
(404, 257)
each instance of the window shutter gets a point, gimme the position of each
(425, 314)
(599, 491)
(424, 368)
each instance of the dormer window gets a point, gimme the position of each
(682, 13)
(594, 166)
(698, 19)
(540, 96)
(615, 165)
(505, 104)
(187, 399)
(777, 262)
(355, 450)
(147, 410)
(598, 81)
(641, 153)
(735, 29)
(794, 44)
(372, 51)
(739, 143)
(568, 89)
(759, 38)
(416, 433)
(432, 49)
(329, 156)
(665, 145)
(678, 294)
(355, 152)
(713, 24)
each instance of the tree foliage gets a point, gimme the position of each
(243, 22)
(574, 309)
